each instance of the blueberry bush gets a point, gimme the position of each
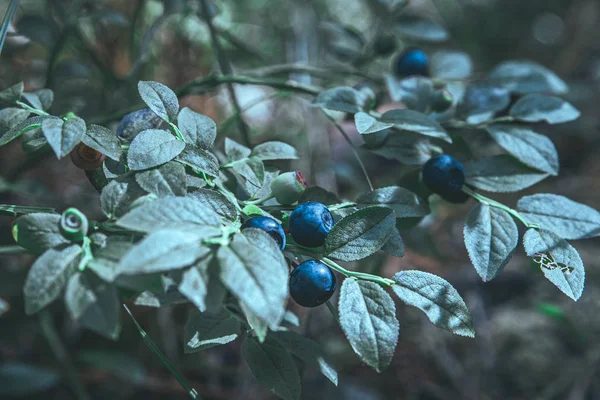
(192, 217)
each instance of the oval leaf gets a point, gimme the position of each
(565, 217)
(526, 76)
(501, 174)
(196, 128)
(538, 107)
(368, 319)
(416, 122)
(360, 234)
(103, 140)
(63, 136)
(152, 148)
(436, 298)
(532, 149)
(558, 260)
(491, 237)
(160, 99)
(405, 203)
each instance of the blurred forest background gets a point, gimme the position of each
(532, 342)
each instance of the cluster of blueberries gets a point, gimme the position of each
(312, 283)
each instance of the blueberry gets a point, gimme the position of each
(411, 62)
(310, 223)
(137, 121)
(312, 283)
(445, 176)
(269, 225)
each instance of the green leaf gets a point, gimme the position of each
(255, 271)
(274, 151)
(160, 99)
(251, 173)
(565, 217)
(307, 350)
(63, 136)
(538, 107)
(258, 325)
(121, 365)
(27, 125)
(157, 300)
(39, 232)
(418, 28)
(481, 101)
(436, 298)
(166, 180)
(316, 193)
(501, 173)
(48, 276)
(12, 116)
(417, 122)
(526, 77)
(272, 366)
(46, 98)
(152, 148)
(194, 283)
(106, 259)
(166, 250)
(394, 246)
(202, 160)
(415, 92)
(94, 304)
(236, 151)
(12, 94)
(197, 129)
(491, 237)
(404, 202)
(559, 261)
(451, 65)
(205, 330)
(343, 42)
(169, 212)
(118, 196)
(368, 319)
(33, 99)
(20, 379)
(343, 98)
(103, 140)
(217, 202)
(366, 124)
(360, 234)
(532, 149)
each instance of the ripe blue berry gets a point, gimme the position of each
(137, 121)
(269, 225)
(310, 223)
(411, 62)
(312, 283)
(445, 176)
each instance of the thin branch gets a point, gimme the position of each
(353, 148)
(239, 44)
(10, 12)
(309, 69)
(225, 69)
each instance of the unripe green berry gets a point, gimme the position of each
(288, 187)
(442, 101)
(73, 224)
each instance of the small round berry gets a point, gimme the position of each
(442, 101)
(411, 62)
(312, 283)
(288, 187)
(135, 122)
(14, 228)
(74, 224)
(443, 175)
(310, 223)
(269, 225)
(86, 158)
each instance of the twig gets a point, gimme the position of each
(10, 12)
(309, 69)
(353, 148)
(60, 352)
(236, 42)
(226, 69)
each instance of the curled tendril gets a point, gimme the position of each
(74, 224)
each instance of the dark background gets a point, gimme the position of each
(532, 341)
